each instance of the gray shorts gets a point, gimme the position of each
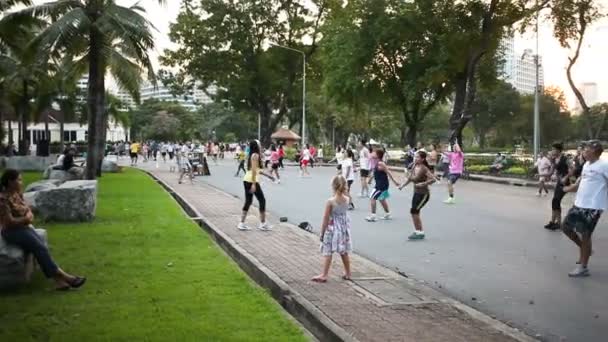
(581, 220)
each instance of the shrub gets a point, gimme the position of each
(516, 170)
(478, 168)
(290, 153)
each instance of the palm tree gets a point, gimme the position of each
(106, 37)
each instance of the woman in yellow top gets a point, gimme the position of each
(252, 187)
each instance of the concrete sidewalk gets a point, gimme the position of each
(377, 305)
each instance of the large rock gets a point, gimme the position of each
(53, 172)
(109, 166)
(43, 185)
(15, 265)
(70, 201)
(28, 163)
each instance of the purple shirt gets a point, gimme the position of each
(456, 162)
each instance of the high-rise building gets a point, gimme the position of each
(519, 69)
(162, 93)
(589, 92)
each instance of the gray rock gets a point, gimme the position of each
(51, 173)
(16, 267)
(109, 166)
(43, 185)
(29, 163)
(70, 201)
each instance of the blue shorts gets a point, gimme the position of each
(379, 195)
(453, 177)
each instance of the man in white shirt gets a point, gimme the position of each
(591, 200)
(364, 167)
(348, 172)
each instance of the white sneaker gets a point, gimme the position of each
(371, 218)
(538, 194)
(243, 226)
(264, 226)
(387, 216)
(278, 181)
(579, 271)
(450, 200)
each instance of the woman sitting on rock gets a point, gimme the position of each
(16, 228)
(70, 166)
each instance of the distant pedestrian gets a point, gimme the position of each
(380, 193)
(456, 168)
(313, 155)
(281, 156)
(335, 230)
(252, 186)
(306, 156)
(544, 167)
(134, 151)
(163, 151)
(560, 169)
(364, 154)
(185, 168)
(240, 158)
(422, 177)
(348, 172)
(274, 163)
(591, 200)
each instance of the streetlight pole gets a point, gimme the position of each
(303, 87)
(536, 97)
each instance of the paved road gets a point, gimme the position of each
(490, 246)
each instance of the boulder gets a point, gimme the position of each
(70, 201)
(53, 173)
(28, 163)
(43, 185)
(109, 166)
(16, 266)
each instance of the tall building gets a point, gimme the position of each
(589, 92)
(162, 93)
(519, 67)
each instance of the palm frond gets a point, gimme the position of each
(52, 10)
(8, 4)
(64, 33)
(126, 72)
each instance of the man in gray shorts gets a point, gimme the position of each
(591, 200)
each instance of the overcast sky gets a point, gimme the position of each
(591, 67)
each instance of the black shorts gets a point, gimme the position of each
(350, 183)
(275, 166)
(558, 195)
(364, 173)
(163, 153)
(133, 155)
(453, 177)
(419, 200)
(581, 220)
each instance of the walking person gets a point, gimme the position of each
(145, 150)
(591, 200)
(335, 230)
(171, 150)
(364, 168)
(16, 228)
(543, 164)
(240, 158)
(433, 158)
(348, 172)
(281, 156)
(134, 152)
(455, 168)
(253, 188)
(185, 167)
(313, 155)
(274, 163)
(560, 168)
(163, 151)
(422, 177)
(380, 192)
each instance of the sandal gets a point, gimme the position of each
(319, 279)
(78, 282)
(345, 277)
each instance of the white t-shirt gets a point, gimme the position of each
(544, 166)
(170, 148)
(185, 148)
(364, 159)
(593, 189)
(347, 164)
(320, 153)
(306, 154)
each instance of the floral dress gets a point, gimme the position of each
(337, 237)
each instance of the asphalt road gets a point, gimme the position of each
(490, 250)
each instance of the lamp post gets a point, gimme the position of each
(536, 97)
(303, 88)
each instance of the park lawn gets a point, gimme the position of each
(153, 275)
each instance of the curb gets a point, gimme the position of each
(311, 318)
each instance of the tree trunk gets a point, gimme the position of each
(96, 101)
(10, 132)
(24, 143)
(411, 135)
(61, 137)
(482, 141)
(581, 100)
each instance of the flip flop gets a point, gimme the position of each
(346, 277)
(319, 280)
(78, 282)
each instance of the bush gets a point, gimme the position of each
(516, 170)
(478, 168)
(290, 153)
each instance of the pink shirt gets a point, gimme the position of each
(456, 162)
(274, 157)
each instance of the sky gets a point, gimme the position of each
(591, 66)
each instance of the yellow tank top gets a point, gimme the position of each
(249, 177)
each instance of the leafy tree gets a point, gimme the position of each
(377, 52)
(226, 44)
(163, 126)
(106, 37)
(571, 19)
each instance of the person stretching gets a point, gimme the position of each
(335, 230)
(380, 193)
(253, 187)
(455, 171)
(422, 177)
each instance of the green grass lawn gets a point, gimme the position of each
(153, 275)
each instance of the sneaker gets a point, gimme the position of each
(579, 271)
(351, 206)
(538, 194)
(371, 218)
(416, 236)
(243, 226)
(450, 200)
(552, 226)
(264, 226)
(387, 216)
(278, 181)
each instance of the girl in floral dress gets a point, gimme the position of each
(335, 230)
